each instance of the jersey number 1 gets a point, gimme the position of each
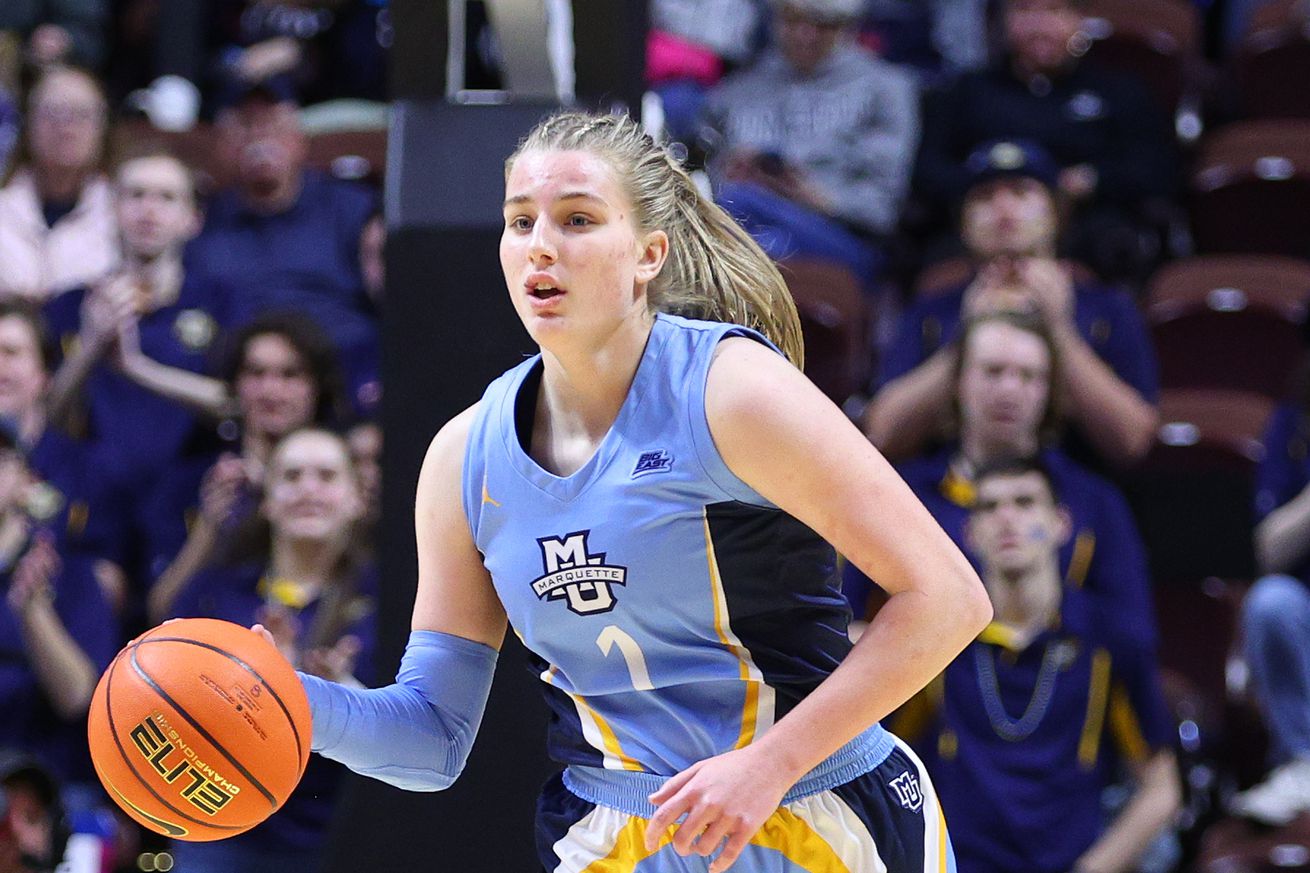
(611, 635)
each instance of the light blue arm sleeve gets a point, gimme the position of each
(415, 734)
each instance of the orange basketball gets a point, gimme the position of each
(199, 729)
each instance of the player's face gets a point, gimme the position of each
(22, 372)
(1004, 386)
(1038, 32)
(1015, 523)
(274, 387)
(155, 207)
(575, 264)
(311, 490)
(1009, 216)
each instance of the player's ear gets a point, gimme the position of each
(652, 252)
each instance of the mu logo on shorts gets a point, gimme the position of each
(577, 576)
(907, 791)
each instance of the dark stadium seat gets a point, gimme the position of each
(1272, 62)
(1229, 321)
(1250, 190)
(1236, 846)
(835, 319)
(1192, 495)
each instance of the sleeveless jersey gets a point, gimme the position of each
(674, 613)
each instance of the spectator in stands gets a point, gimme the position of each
(1004, 377)
(58, 631)
(813, 143)
(309, 585)
(1113, 144)
(281, 375)
(288, 236)
(73, 499)
(33, 831)
(365, 441)
(937, 38)
(1024, 731)
(689, 47)
(1009, 221)
(56, 217)
(58, 31)
(1276, 614)
(132, 337)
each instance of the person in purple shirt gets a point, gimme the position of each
(58, 629)
(1010, 223)
(302, 574)
(1024, 731)
(1007, 403)
(279, 375)
(289, 236)
(154, 311)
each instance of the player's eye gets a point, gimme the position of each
(521, 222)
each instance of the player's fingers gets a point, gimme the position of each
(263, 632)
(667, 813)
(707, 842)
(700, 817)
(728, 856)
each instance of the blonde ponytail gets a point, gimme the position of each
(715, 271)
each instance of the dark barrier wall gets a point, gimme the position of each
(448, 330)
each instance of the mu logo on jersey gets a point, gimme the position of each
(907, 791)
(576, 575)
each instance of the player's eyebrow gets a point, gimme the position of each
(567, 195)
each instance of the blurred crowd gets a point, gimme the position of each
(1046, 253)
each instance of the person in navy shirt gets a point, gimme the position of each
(1026, 728)
(1009, 221)
(307, 578)
(172, 315)
(1111, 141)
(279, 375)
(1007, 402)
(1276, 614)
(58, 630)
(290, 236)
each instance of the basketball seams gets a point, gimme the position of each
(205, 734)
(118, 743)
(295, 732)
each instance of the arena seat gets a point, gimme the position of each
(835, 319)
(1250, 190)
(1272, 62)
(1229, 321)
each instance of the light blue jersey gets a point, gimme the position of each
(676, 614)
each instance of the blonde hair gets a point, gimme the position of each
(714, 271)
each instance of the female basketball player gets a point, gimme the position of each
(647, 502)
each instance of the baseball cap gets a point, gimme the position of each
(827, 10)
(1002, 158)
(235, 90)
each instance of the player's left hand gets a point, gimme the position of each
(729, 796)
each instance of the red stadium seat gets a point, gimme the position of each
(1229, 321)
(1250, 191)
(1236, 846)
(1272, 63)
(835, 319)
